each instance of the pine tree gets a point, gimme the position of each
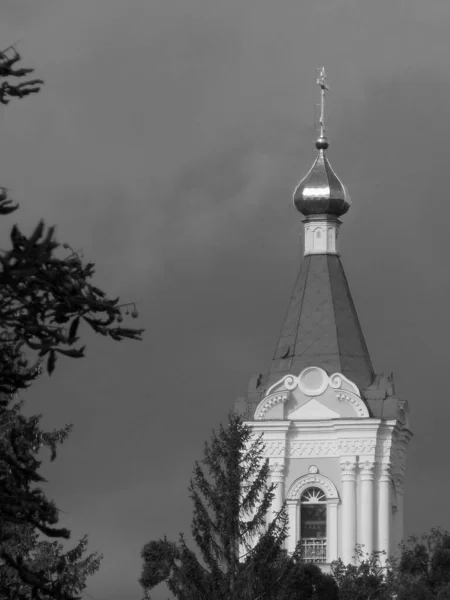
(65, 571)
(24, 553)
(242, 555)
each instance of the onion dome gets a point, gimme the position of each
(321, 191)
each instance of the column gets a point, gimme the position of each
(348, 534)
(277, 477)
(384, 509)
(332, 530)
(367, 515)
(292, 508)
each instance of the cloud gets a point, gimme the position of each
(166, 143)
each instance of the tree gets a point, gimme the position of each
(8, 58)
(69, 570)
(367, 580)
(66, 570)
(421, 571)
(242, 556)
(43, 299)
(305, 581)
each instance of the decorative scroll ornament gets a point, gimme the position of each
(290, 382)
(337, 380)
(312, 381)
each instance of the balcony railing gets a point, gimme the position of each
(314, 550)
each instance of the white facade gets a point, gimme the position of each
(319, 435)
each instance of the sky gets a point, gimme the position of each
(166, 144)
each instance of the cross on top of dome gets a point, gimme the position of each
(321, 192)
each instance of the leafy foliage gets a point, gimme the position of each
(8, 59)
(421, 571)
(58, 571)
(305, 581)
(42, 300)
(364, 581)
(242, 556)
(44, 297)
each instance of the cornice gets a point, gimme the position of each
(369, 425)
(369, 438)
(272, 426)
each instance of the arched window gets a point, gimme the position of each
(312, 502)
(313, 525)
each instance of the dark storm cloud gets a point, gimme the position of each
(166, 143)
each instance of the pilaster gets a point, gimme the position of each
(277, 477)
(384, 509)
(292, 508)
(332, 529)
(348, 471)
(367, 505)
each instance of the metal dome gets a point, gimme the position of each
(321, 191)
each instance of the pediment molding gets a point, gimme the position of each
(357, 403)
(312, 382)
(267, 403)
(313, 410)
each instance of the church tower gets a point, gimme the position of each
(335, 432)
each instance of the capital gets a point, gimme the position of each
(367, 468)
(385, 472)
(276, 471)
(348, 469)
